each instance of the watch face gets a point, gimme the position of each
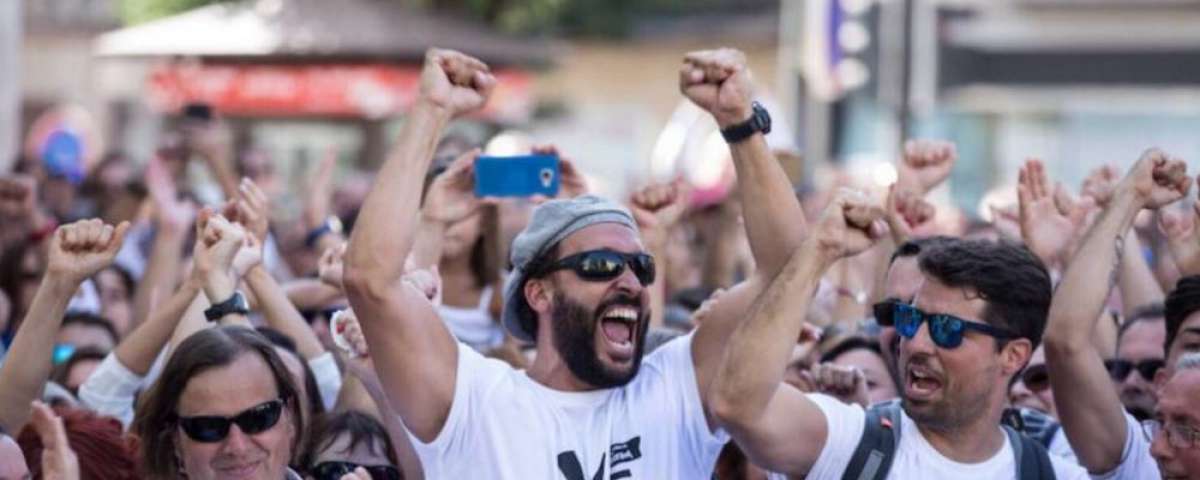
(764, 118)
(240, 302)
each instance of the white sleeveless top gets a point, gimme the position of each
(474, 326)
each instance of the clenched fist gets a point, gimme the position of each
(719, 82)
(80, 249)
(850, 225)
(1157, 179)
(454, 82)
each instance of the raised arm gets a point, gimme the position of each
(1136, 281)
(77, 251)
(138, 350)
(366, 393)
(1091, 413)
(210, 140)
(253, 208)
(173, 218)
(719, 82)
(1046, 230)
(748, 396)
(657, 209)
(416, 353)
(1183, 239)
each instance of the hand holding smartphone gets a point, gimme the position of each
(517, 176)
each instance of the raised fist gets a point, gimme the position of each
(80, 249)
(658, 206)
(1158, 179)
(850, 225)
(847, 384)
(719, 82)
(1100, 183)
(1183, 238)
(927, 163)
(908, 214)
(455, 82)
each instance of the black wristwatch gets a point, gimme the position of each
(759, 121)
(235, 304)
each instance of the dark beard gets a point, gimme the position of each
(575, 339)
(958, 407)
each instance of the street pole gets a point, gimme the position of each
(10, 82)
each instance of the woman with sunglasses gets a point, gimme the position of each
(342, 442)
(225, 405)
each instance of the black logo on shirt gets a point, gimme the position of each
(568, 461)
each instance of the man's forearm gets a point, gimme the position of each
(281, 314)
(1101, 258)
(427, 248)
(139, 349)
(760, 348)
(774, 220)
(28, 363)
(384, 232)
(1137, 283)
(162, 271)
(1088, 406)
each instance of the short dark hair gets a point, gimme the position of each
(157, 418)
(1009, 277)
(125, 276)
(535, 269)
(914, 247)
(88, 319)
(361, 427)
(1180, 304)
(853, 342)
(1145, 313)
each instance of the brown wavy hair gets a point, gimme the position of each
(156, 419)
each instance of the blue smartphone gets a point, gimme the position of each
(516, 176)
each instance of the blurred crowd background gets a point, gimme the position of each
(1079, 83)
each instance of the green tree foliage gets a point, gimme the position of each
(609, 18)
(140, 11)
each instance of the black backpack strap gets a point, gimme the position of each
(872, 459)
(1030, 457)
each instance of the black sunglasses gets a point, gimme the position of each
(604, 265)
(335, 471)
(256, 419)
(1119, 369)
(1036, 378)
(946, 330)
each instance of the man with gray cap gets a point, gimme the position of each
(589, 406)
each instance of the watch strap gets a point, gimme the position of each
(236, 303)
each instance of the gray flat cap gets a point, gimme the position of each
(551, 222)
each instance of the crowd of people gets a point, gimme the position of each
(411, 329)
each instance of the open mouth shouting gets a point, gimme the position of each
(921, 383)
(619, 325)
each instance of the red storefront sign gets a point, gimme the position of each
(358, 91)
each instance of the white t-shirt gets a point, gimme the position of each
(503, 425)
(914, 457)
(1136, 462)
(1061, 447)
(474, 326)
